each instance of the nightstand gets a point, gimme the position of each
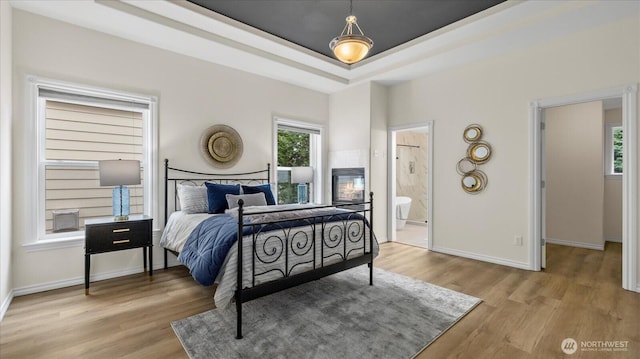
(104, 235)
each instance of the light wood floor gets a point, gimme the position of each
(523, 314)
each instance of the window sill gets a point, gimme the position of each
(75, 240)
(613, 177)
(44, 245)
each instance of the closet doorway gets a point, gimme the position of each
(539, 195)
(410, 181)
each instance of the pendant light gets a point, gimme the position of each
(349, 47)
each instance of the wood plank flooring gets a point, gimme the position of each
(523, 315)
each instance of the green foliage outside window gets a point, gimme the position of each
(293, 151)
(617, 150)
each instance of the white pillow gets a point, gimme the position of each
(253, 199)
(193, 199)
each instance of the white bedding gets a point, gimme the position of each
(180, 225)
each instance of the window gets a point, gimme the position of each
(297, 144)
(76, 127)
(613, 150)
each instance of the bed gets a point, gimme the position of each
(281, 245)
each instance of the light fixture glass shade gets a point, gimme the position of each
(349, 47)
(120, 173)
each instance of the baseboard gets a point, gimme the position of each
(562, 242)
(483, 258)
(615, 240)
(417, 223)
(5, 304)
(43, 287)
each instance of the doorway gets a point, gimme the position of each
(628, 96)
(410, 158)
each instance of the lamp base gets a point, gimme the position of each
(121, 203)
(302, 193)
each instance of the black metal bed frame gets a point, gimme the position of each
(336, 232)
(173, 176)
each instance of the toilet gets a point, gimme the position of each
(403, 206)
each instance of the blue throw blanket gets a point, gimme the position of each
(205, 250)
(207, 247)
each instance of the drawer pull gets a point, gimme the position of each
(121, 241)
(121, 230)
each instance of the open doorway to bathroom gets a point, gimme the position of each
(410, 185)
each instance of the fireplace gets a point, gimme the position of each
(347, 185)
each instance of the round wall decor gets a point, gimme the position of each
(472, 133)
(474, 182)
(221, 146)
(478, 152)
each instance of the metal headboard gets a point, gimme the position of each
(173, 176)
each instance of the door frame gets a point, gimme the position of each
(629, 95)
(391, 179)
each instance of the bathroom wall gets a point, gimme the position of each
(411, 172)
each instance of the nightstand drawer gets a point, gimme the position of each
(117, 236)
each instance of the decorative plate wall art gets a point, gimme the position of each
(221, 146)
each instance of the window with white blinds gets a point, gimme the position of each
(75, 127)
(76, 137)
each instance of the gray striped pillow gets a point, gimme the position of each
(193, 199)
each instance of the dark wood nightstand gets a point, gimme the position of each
(108, 235)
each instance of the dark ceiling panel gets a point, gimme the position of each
(313, 23)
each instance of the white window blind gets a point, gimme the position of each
(76, 137)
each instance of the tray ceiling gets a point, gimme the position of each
(313, 23)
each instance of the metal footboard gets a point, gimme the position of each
(314, 247)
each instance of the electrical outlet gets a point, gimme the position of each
(517, 241)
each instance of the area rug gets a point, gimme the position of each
(336, 317)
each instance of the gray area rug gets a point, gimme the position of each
(339, 316)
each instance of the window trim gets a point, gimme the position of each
(35, 238)
(315, 161)
(608, 151)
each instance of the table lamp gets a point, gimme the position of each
(120, 173)
(302, 176)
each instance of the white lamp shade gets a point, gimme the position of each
(301, 174)
(119, 172)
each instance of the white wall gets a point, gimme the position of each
(6, 284)
(357, 138)
(574, 162)
(379, 161)
(496, 93)
(193, 95)
(349, 131)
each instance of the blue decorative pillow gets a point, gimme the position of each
(264, 188)
(217, 195)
